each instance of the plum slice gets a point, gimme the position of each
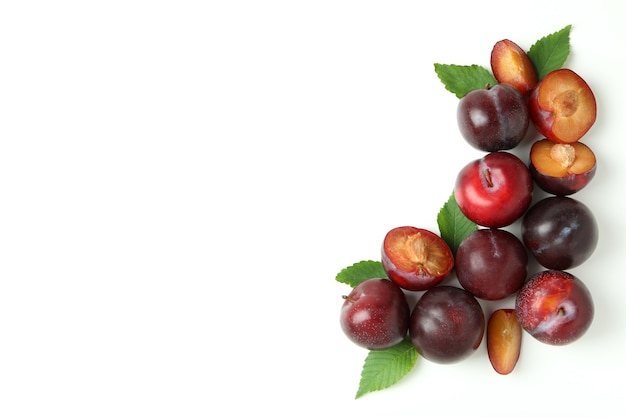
(511, 65)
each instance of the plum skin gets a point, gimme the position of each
(447, 324)
(491, 263)
(555, 307)
(562, 186)
(375, 315)
(560, 232)
(493, 119)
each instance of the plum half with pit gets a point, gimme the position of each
(561, 168)
(562, 106)
(416, 259)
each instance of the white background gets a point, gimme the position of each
(181, 181)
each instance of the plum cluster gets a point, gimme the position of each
(447, 322)
(495, 191)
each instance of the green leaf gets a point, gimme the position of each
(384, 368)
(453, 225)
(360, 271)
(550, 52)
(461, 79)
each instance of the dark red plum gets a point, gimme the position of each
(447, 324)
(375, 315)
(491, 263)
(560, 232)
(493, 119)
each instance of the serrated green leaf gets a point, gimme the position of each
(461, 79)
(453, 225)
(354, 274)
(550, 52)
(384, 368)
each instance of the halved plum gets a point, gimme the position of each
(562, 106)
(561, 169)
(416, 259)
